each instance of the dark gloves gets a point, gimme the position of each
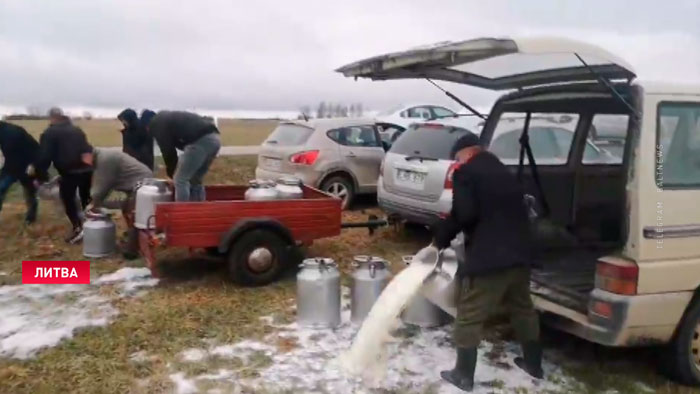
(444, 232)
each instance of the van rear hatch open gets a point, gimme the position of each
(497, 63)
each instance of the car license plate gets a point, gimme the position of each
(274, 164)
(411, 179)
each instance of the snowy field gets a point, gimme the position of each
(39, 316)
(302, 360)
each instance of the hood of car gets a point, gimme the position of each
(497, 63)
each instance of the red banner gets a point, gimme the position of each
(56, 272)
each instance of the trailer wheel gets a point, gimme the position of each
(682, 357)
(257, 258)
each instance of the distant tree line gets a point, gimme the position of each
(35, 113)
(331, 110)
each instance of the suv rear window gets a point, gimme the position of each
(289, 135)
(429, 141)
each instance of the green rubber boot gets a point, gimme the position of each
(462, 376)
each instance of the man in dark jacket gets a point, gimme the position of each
(197, 138)
(146, 117)
(488, 208)
(19, 150)
(63, 144)
(136, 142)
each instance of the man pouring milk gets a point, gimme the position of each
(487, 206)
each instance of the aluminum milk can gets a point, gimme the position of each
(318, 293)
(260, 190)
(150, 192)
(421, 312)
(289, 188)
(442, 286)
(100, 235)
(369, 279)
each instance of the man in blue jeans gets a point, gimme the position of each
(199, 140)
(19, 150)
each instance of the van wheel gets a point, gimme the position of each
(341, 188)
(258, 258)
(683, 355)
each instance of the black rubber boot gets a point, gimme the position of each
(531, 362)
(462, 376)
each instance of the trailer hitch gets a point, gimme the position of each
(372, 224)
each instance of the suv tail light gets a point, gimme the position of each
(304, 158)
(617, 278)
(450, 174)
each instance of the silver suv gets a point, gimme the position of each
(340, 156)
(416, 180)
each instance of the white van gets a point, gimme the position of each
(619, 240)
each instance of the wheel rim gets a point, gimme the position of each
(339, 190)
(260, 259)
(695, 345)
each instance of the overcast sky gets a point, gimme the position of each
(280, 55)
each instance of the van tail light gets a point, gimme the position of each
(306, 158)
(618, 278)
(450, 174)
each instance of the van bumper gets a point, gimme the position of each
(640, 320)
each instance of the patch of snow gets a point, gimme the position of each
(139, 357)
(124, 274)
(182, 384)
(35, 317)
(415, 359)
(193, 355)
(269, 319)
(243, 350)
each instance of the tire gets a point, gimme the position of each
(682, 357)
(274, 256)
(341, 187)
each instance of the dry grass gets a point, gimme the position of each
(195, 303)
(105, 132)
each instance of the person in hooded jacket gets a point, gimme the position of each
(199, 140)
(63, 144)
(146, 117)
(488, 208)
(20, 150)
(136, 142)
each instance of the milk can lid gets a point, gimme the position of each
(318, 262)
(362, 260)
(289, 181)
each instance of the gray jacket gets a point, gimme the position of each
(115, 171)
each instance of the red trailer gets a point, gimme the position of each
(259, 238)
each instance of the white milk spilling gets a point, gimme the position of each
(367, 356)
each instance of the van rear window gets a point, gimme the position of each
(289, 135)
(429, 141)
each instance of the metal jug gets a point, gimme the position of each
(318, 293)
(260, 190)
(148, 193)
(289, 188)
(442, 286)
(100, 235)
(368, 280)
(421, 312)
